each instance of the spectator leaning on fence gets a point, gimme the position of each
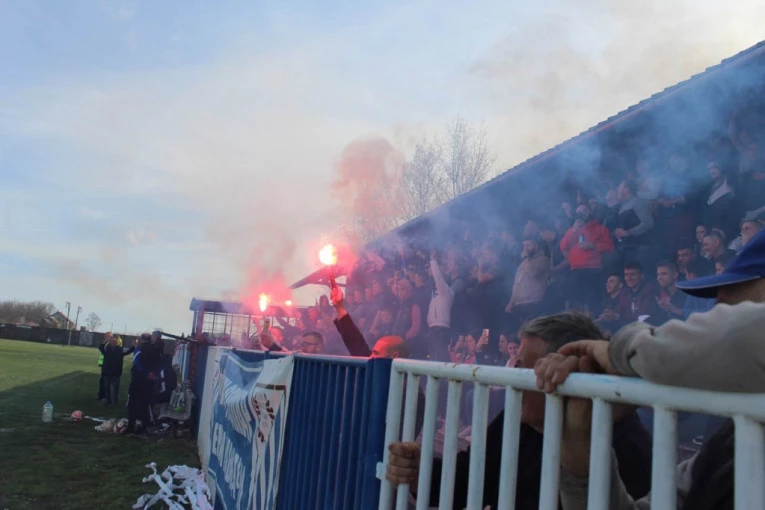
(539, 337)
(720, 350)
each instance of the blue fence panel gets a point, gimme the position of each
(335, 433)
(198, 384)
(335, 429)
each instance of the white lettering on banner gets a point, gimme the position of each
(249, 408)
(237, 407)
(233, 467)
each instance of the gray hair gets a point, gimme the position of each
(562, 328)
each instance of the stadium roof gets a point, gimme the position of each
(232, 307)
(741, 58)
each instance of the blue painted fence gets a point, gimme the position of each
(335, 429)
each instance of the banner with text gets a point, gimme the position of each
(248, 419)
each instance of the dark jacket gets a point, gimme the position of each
(113, 357)
(147, 359)
(631, 441)
(357, 346)
(631, 305)
(167, 381)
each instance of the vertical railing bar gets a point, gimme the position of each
(392, 422)
(600, 455)
(550, 478)
(320, 431)
(749, 470)
(407, 435)
(428, 439)
(449, 459)
(663, 470)
(478, 446)
(311, 370)
(511, 433)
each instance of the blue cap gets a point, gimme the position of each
(746, 266)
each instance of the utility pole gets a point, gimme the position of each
(76, 320)
(68, 307)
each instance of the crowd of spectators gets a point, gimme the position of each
(614, 251)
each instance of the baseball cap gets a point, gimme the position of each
(755, 217)
(746, 266)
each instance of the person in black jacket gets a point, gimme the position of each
(632, 443)
(146, 365)
(111, 370)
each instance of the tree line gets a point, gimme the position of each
(35, 312)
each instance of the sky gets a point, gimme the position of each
(155, 151)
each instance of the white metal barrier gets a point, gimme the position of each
(747, 411)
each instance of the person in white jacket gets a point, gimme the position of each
(719, 350)
(439, 314)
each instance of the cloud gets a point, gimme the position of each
(556, 75)
(91, 214)
(139, 236)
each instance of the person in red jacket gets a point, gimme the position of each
(584, 244)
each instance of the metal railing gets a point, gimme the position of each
(747, 411)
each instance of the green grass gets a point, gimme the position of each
(64, 465)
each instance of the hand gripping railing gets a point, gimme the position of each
(747, 411)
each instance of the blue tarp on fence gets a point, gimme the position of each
(335, 429)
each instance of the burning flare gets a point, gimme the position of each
(263, 302)
(288, 302)
(328, 255)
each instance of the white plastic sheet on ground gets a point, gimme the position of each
(180, 488)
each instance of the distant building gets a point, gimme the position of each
(58, 320)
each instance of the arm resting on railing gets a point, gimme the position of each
(720, 350)
(573, 489)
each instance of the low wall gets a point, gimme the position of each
(56, 336)
(61, 336)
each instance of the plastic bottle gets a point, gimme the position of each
(47, 413)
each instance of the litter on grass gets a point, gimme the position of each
(180, 488)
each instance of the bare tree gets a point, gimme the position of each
(382, 190)
(93, 321)
(444, 168)
(467, 160)
(422, 180)
(16, 312)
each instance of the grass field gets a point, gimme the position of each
(64, 465)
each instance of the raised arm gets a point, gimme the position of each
(441, 286)
(352, 338)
